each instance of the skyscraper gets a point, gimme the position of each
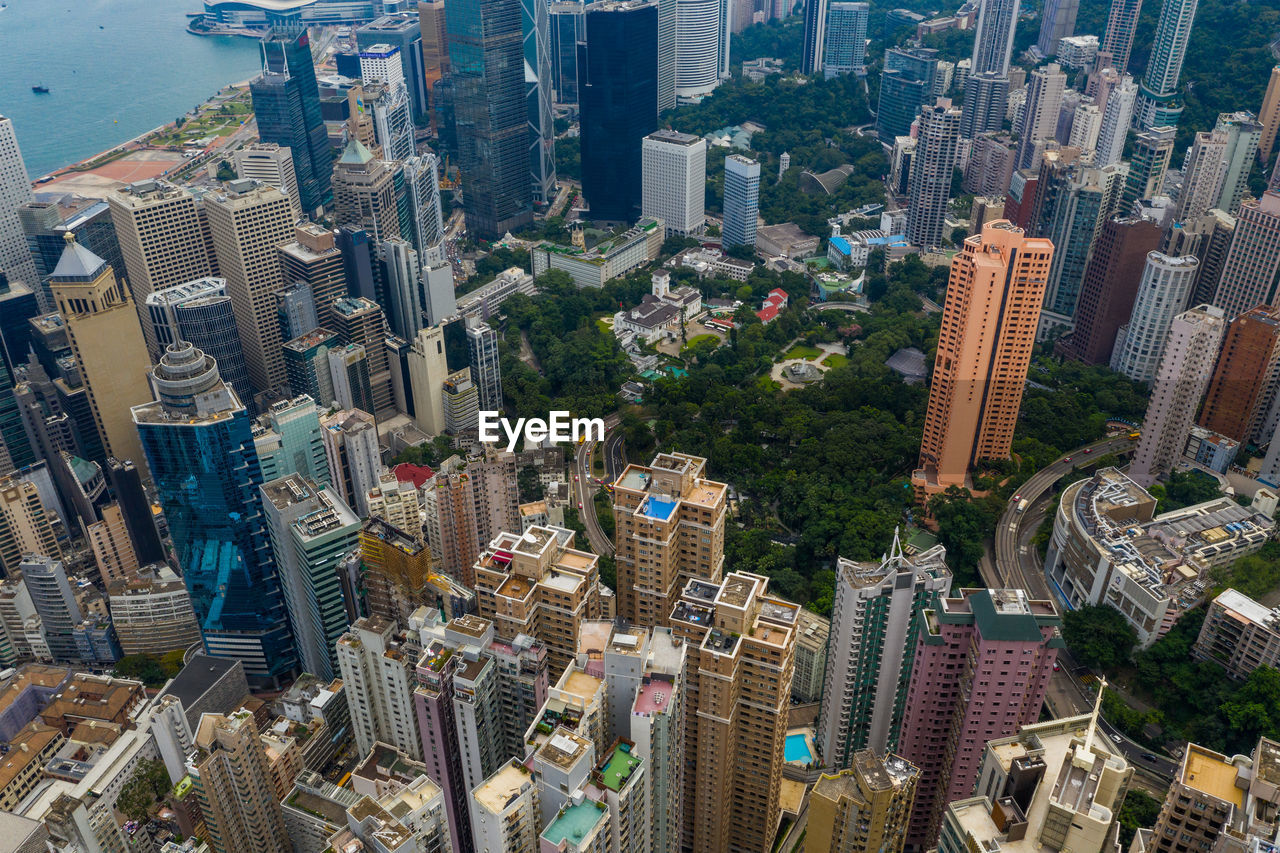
(199, 446)
(126, 484)
(1057, 21)
(618, 100)
(296, 310)
(1122, 23)
(906, 84)
(986, 97)
(360, 321)
(1077, 200)
(1185, 367)
(313, 257)
(286, 104)
(272, 164)
(486, 372)
(486, 59)
(931, 171)
(862, 700)
(233, 781)
(15, 190)
(55, 604)
(402, 275)
(402, 30)
(1243, 385)
(815, 36)
(201, 313)
(422, 188)
(1039, 118)
(1243, 134)
(1202, 175)
(702, 46)
(365, 192)
(24, 525)
(864, 808)
(981, 365)
(1249, 271)
(1158, 104)
(741, 201)
(377, 663)
(102, 327)
(1152, 150)
(674, 180)
(845, 50)
(993, 42)
(1116, 117)
(1166, 284)
(1009, 643)
(535, 25)
(288, 440)
(351, 447)
(311, 531)
(248, 222)
(1269, 116)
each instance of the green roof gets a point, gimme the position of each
(619, 769)
(1005, 627)
(574, 823)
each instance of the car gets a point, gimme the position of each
(1146, 756)
(1017, 498)
(1068, 459)
(1056, 666)
(575, 478)
(579, 504)
(1088, 450)
(1117, 738)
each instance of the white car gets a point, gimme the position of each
(1117, 738)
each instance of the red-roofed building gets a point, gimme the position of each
(773, 304)
(407, 472)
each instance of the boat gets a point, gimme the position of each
(40, 89)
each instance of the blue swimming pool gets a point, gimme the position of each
(797, 749)
(659, 508)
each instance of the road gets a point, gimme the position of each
(584, 486)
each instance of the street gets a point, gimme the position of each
(585, 487)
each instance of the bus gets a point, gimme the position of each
(1135, 435)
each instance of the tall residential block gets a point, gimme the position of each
(286, 104)
(1249, 270)
(1038, 121)
(932, 167)
(670, 529)
(102, 328)
(815, 36)
(486, 371)
(741, 653)
(741, 201)
(377, 665)
(845, 49)
(1185, 367)
(486, 59)
(1116, 118)
(986, 98)
(981, 365)
(674, 167)
(875, 624)
(702, 47)
(1158, 103)
(271, 164)
(112, 551)
(993, 42)
(1243, 134)
(1122, 24)
(865, 808)
(55, 603)
(1269, 116)
(360, 321)
(1057, 21)
(1152, 150)
(15, 189)
(1162, 292)
(233, 782)
(1243, 386)
(1008, 643)
(1203, 172)
(311, 532)
(199, 446)
(248, 221)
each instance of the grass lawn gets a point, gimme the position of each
(836, 360)
(804, 351)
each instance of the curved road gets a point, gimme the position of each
(584, 486)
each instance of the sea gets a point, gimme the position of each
(115, 70)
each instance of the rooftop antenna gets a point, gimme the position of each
(1093, 718)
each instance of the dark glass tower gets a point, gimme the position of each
(490, 114)
(126, 484)
(286, 103)
(199, 446)
(618, 103)
(12, 433)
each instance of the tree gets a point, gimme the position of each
(225, 171)
(149, 782)
(529, 484)
(1254, 575)
(142, 668)
(1138, 811)
(1099, 636)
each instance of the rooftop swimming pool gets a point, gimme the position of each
(797, 749)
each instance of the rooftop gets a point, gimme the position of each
(1210, 773)
(564, 749)
(618, 768)
(503, 787)
(654, 695)
(575, 823)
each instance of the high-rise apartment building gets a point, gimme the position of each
(486, 59)
(618, 103)
(1186, 365)
(1242, 388)
(990, 168)
(350, 440)
(931, 170)
(1073, 202)
(875, 623)
(674, 177)
(1249, 269)
(486, 372)
(102, 328)
(741, 201)
(248, 221)
(271, 164)
(670, 528)
(1269, 117)
(1158, 104)
(702, 47)
(1203, 172)
(311, 532)
(286, 104)
(993, 42)
(986, 97)
(981, 366)
(233, 782)
(1039, 119)
(1116, 118)
(201, 313)
(1057, 21)
(25, 525)
(112, 550)
(377, 664)
(365, 192)
(982, 665)
(741, 652)
(197, 431)
(1162, 292)
(1122, 24)
(46, 581)
(1152, 150)
(313, 257)
(845, 49)
(815, 37)
(538, 584)
(1110, 284)
(865, 808)
(15, 190)
(1243, 135)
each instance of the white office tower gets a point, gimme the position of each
(271, 164)
(1116, 118)
(15, 190)
(993, 42)
(1039, 119)
(741, 201)
(1202, 175)
(422, 187)
(486, 372)
(437, 285)
(1166, 283)
(402, 285)
(1190, 351)
(428, 370)
(674, 181)
(1085, 126)
(382, 62)
(702, 47)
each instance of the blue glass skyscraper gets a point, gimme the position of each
(199, 446)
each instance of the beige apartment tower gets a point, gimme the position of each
(741, 653)
(670, 528)
(163, 239)
(24, 525)
(234, 784)
(989, 324)
(107, 342)
(248, 222)
(864, 809)
(1269, 117)
(112, 548)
